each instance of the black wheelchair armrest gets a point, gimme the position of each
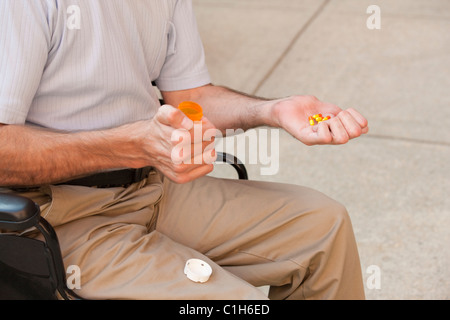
(17, 213)
(235, 163)
(21, 254)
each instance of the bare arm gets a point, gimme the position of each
(226, 108)
(32, 156)
(229, 109)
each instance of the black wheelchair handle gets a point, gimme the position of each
(17, 213)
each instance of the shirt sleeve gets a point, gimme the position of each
(24, 46)
(185, 66)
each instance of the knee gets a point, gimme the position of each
(319, 202)
(335, 223)
(325, 213)
(335, 213)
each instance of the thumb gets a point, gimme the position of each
(173, 117)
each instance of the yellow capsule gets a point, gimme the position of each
(311, 122)
(319, 119)
(326, 118)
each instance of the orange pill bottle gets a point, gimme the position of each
(192, 110)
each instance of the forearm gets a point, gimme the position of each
(226, 108)
(32, 156)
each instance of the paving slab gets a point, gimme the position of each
(396, 75)
(396, 193)
(244, 39)
(395, 181)
(397, 196)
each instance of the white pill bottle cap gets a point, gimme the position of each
(197, 270)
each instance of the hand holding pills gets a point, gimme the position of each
(340, 129)
(314, 122)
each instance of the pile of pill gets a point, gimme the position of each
(317, 118)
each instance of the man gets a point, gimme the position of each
(76, 99)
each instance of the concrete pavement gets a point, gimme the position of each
(395, 181)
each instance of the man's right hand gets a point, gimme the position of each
(172, 143)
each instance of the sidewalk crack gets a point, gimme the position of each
(291, 45)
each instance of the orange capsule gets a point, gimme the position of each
(326, 118)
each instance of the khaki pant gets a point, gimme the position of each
(133, 243)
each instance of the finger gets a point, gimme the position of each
(208, 156)
(199, 172)
(350, 124)
(203, 131)
(199, 153)
(209, 130)
(207, 124)
(205, 147)
(190, 173)
(173, 117)
(192, 153)
(324, 135)
(360, 119)
(338, 132)
(329, 109)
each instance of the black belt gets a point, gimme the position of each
(111, 179)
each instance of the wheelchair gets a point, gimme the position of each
(31, 269)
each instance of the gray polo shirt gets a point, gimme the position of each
(89, 64)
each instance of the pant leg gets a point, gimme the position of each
(109, 234)
(297, 240)
(127, 262)
(294, 239)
